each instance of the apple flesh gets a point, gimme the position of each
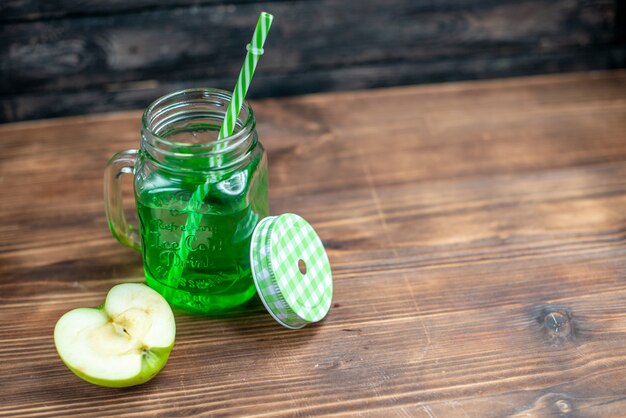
(125, 342)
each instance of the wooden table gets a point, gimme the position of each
(477, 233)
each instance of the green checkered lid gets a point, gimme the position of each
(291, 270)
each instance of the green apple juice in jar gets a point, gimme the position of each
(200, 265)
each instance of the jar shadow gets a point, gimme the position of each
(249, 308)
(252, 322)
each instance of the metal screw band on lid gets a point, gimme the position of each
(291, 270)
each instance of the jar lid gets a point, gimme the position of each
(291, 271)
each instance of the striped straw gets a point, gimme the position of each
(255, 50)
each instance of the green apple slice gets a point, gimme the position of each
(125, 342)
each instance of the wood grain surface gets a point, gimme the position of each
(67, 57)
(477, 233)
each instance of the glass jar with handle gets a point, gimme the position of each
(195, 253)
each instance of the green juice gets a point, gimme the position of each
(214, 275)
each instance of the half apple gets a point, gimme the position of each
(125, 342)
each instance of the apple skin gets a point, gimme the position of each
(151, 364)
(152, 359)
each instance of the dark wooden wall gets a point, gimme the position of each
(66, 57)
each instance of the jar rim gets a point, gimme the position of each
(212, 147)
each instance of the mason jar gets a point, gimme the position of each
(198, 200)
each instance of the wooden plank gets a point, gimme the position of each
(475, 230)
(132, 95)
(25, 10)
(110, 62)
(112, 49)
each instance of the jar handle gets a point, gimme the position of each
(121, 163)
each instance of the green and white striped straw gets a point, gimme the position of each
(255, 50)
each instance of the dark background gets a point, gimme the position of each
(68, 57)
